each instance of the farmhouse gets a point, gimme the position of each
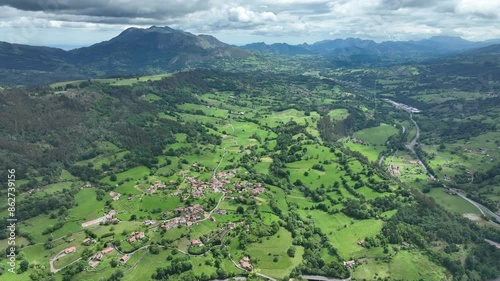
(355, 140)
(87, 241)
(350, 263)
(94, 264)
(70, 250)
(107, 250)
(196, 242)
(97, 256)
(124, 259)
(221, 212)
(245, 263)
(92, 222)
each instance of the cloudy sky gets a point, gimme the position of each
(75, 23)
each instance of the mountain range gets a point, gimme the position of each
(135, 51)
(138, 51)
(436, 45)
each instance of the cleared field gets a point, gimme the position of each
(452, 202)
(376, 135)
(345, 232)
(114, 81)
(263, 254)
(408, 265)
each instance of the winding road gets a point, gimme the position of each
(411, 145)
(481, 207)
(58, 256)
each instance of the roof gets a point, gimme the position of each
(107, 250)
(195, 241)
(70, 249)
(245, 264)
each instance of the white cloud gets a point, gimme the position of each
(488, 8)
(242, 14)
(242, 21)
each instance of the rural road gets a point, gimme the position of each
(411, 145)
(481, 207)
(323, 278)
(59, 255)
(492, 243)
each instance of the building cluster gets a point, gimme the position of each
(134, 236)
(254, 188)
(109, 217)
(95, 259)
(189, 215)
(197, 186)
(115, 195)
(155, 186)
(355, 140)
(192, 213)
(218, 183)
(173, 223)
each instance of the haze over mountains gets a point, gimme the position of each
(436, 44)
(161, 49)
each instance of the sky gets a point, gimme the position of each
(75, 23)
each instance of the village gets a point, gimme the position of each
(183, 216)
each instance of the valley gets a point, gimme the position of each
(254, 166)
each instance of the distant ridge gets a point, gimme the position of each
(137, 51)
(436, 44)
(134, 51)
